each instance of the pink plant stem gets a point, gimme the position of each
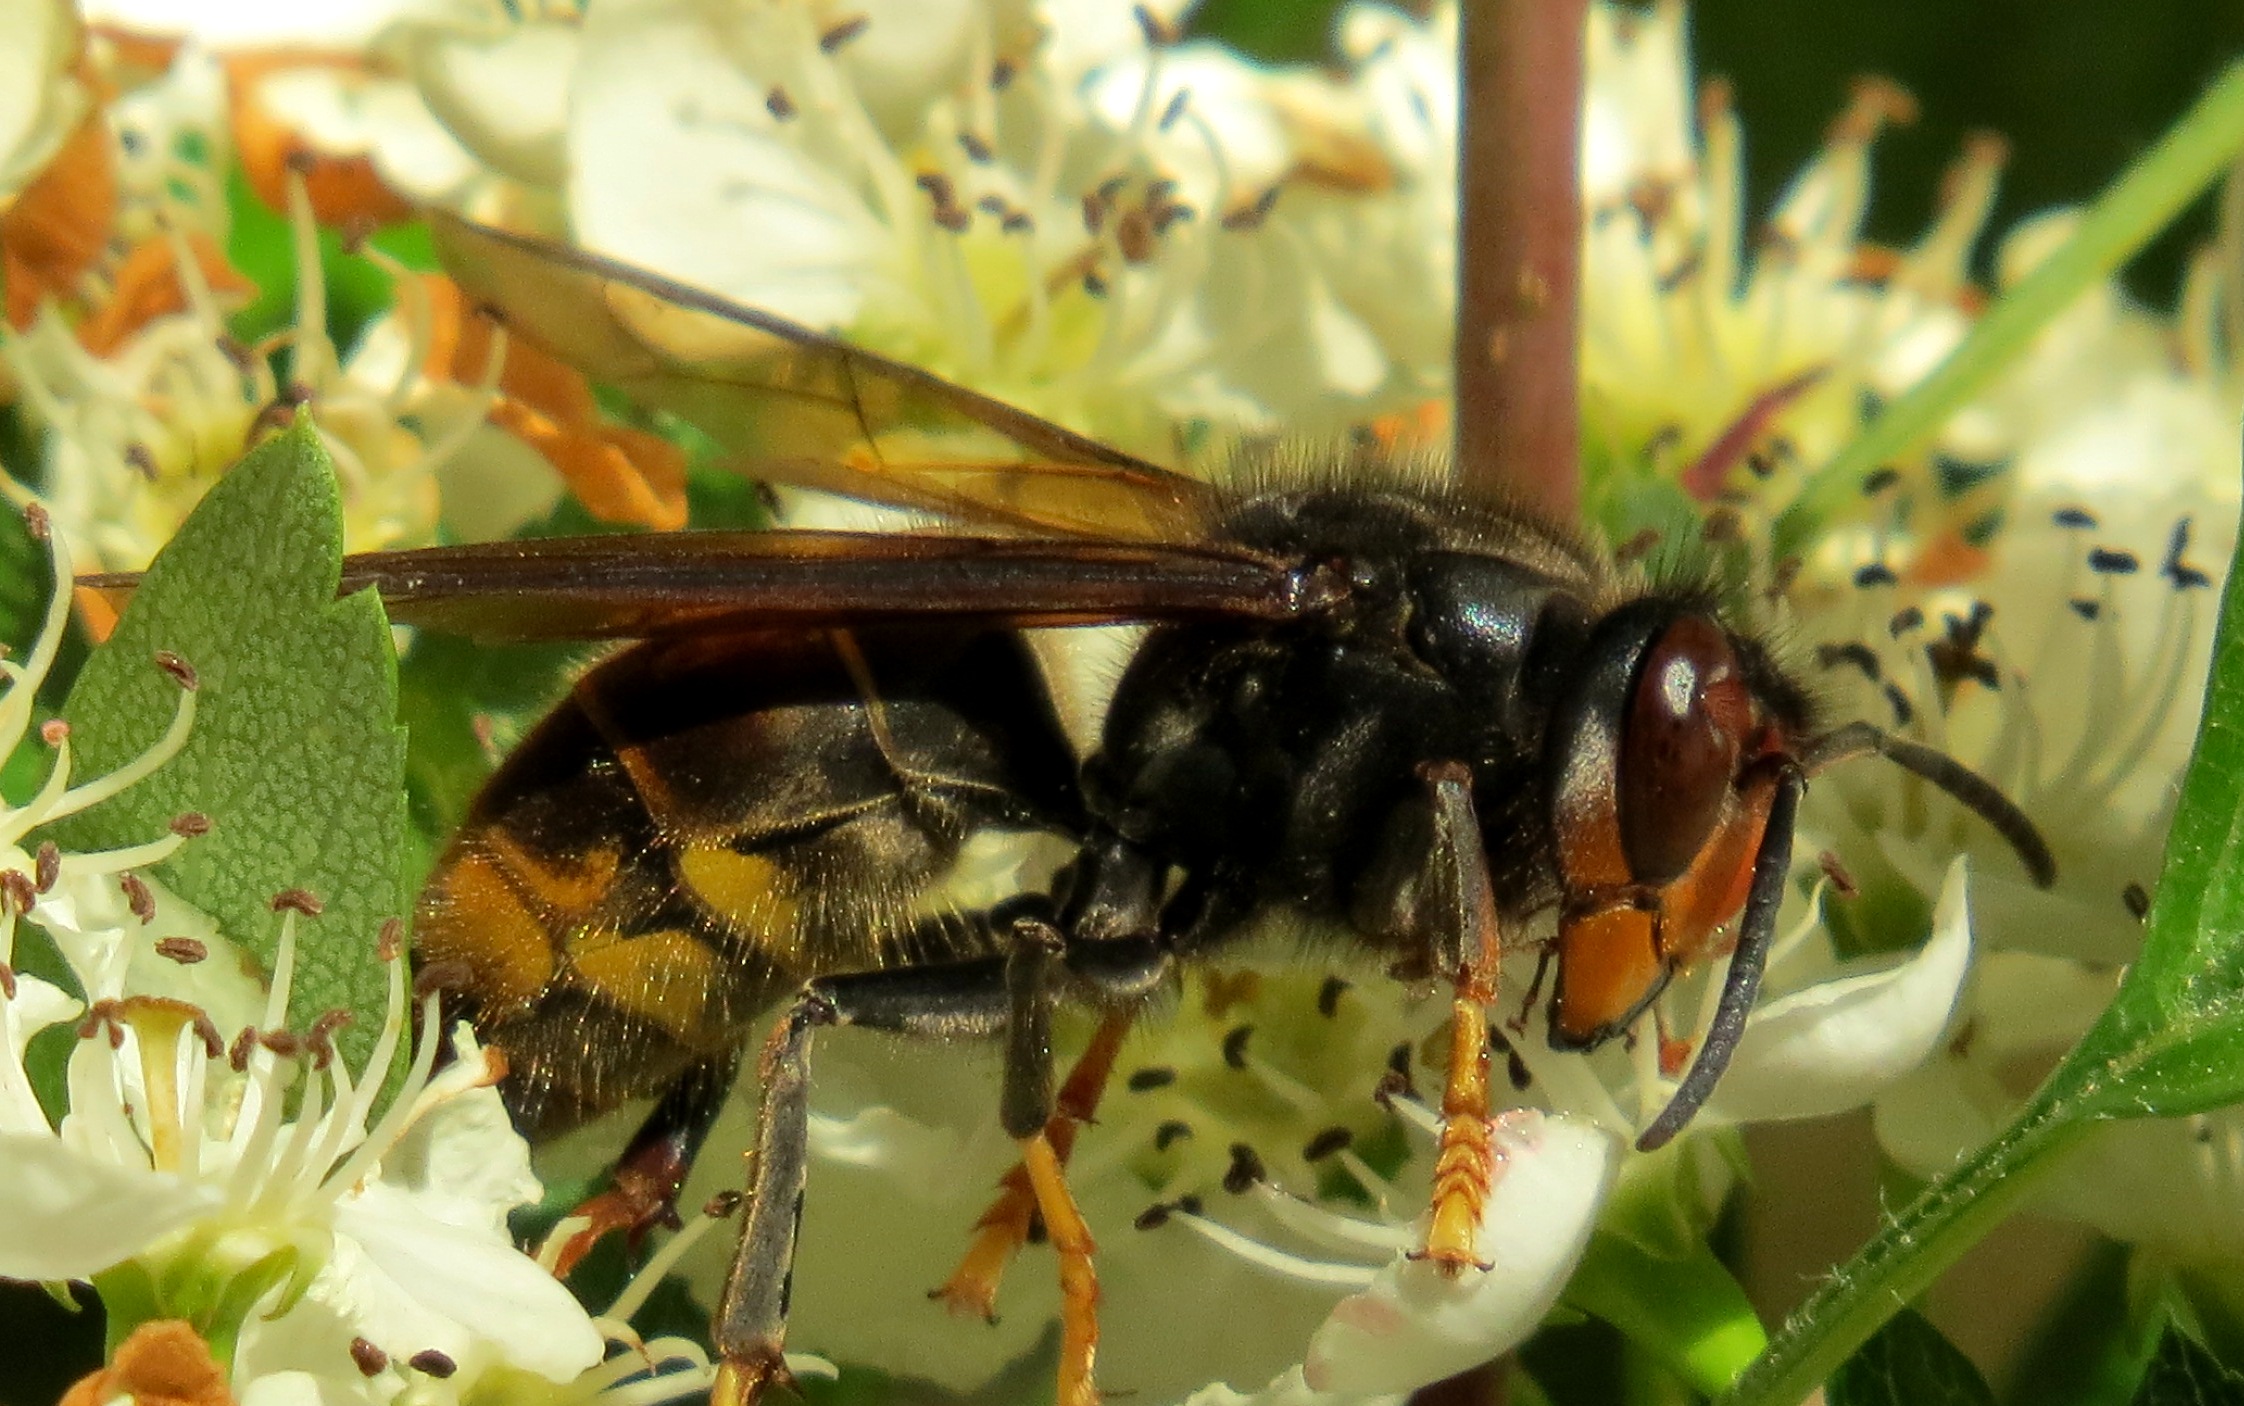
(1518, 422)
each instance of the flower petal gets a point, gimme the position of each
(39, 103)
(72, 1216)
(1285, 1389)
(411, 1282)
(504, 96)
(1834, 1045)
(677, 164)
(1415, 1325)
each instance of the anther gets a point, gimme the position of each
(181, 671)
(370, 1360)
(1326, 1143)
(722, 1206)
(190, 824)
(778, 104)
(842, 33)
(977, 150)
(442, 976)
(390, 944)
(186, 951)
(297, 901)
(2073, 518)
(1637, 547)
(1904, 712)
(2085, 608)
(1175, 109)
(2106, 561)
(143, 904)
(36, 522)
(2135, 896)
(53, 731)
(1904, 620)
(1861, 656)
(2184, 576)
(1001, 75)
(7, 981)
(321, 1038)
(1245, 1170)
(1165, 1136)
(1877, 573)
(1148, 1079)
(46, 866)
(1252, 215)
(1956, 657)
(1516, 1070)
(1329, 994)
(429, 1361)
(282, 1044)
(1153, 1217)
(1135, 235)
(214, 1044)
(1235, 1046)
(1157, 31)
(237, 1054)
(1398, 1060)
(141, 461)
(1878, 481)
(16, 890)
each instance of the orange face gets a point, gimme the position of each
(1658, 821)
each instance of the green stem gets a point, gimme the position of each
(1907, 1256)
(2192, 154)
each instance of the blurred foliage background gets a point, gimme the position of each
(2079, 87)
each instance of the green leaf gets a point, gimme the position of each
(1908, 1364)
(295, 754)
(2171, 1042)
(2183, 1374)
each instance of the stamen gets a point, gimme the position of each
(1280, 1262)
(414, 1098)
(1330, 1227)
(168, 746)
(41, 805)
(292, 1165)
(649, 1278)
(1380, 1189)
(1277, 1081)
(26, 678)
(395, 1010)
(314, 362)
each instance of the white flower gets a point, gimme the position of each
(178, 1168)
(136, 436)
(1043, 221)
(342, 26)
(1268, 1142)
(41, 100)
